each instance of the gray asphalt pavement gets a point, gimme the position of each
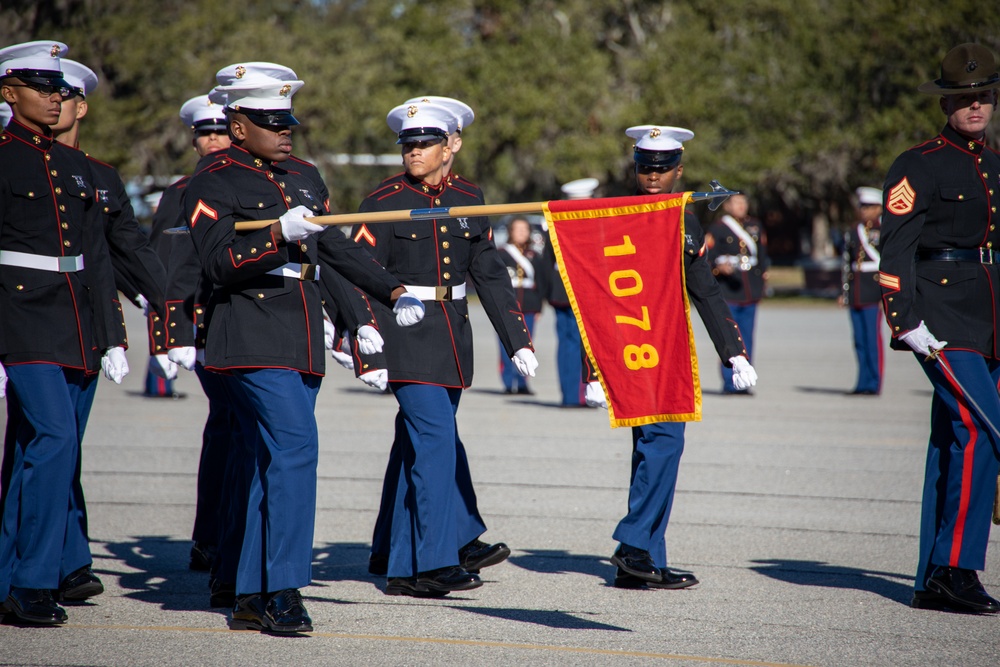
(797, 508)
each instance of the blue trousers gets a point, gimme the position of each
(424, 533)
(220, 434)
(281, 507)
(866, 324)
(156, 385)
(512, 380)
(236, 475)
(962, 463)
(569, 356)
(745, 316)
(469, 523)
(43, 536)
(656, 456)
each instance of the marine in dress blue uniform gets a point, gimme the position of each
(737, 253)
(428, 367)
(862, 295)
(641, 557)
(265, 327)
(60, 322)
(940, 278)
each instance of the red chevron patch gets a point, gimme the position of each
(202, 207)
(366, 235)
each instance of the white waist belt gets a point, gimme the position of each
(737, 261)
(297, 271)
(42, 262)
(524, 283)
(867, 266)
(437, 292)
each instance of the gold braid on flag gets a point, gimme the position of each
(680, 202)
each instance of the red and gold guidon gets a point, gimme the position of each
(621, 260)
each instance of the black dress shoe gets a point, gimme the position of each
(282, 613)
(928, 600)
(863, 392)
(636, 562)
(80, 585)
(669, 580)
(962, 589)
(223, 594)
(477, 554)
(434, 583)
(35, 605)
(202, 556)
(525, 391)
(378, 564)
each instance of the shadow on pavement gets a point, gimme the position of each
(547, 618)
(817, 573)
(557, 561)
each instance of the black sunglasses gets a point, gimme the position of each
(47, 89)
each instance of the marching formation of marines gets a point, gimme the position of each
(254, 310)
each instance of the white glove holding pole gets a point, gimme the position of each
(183, 356)
(3, 382)
(378, 379)
(295, 227)
(744, 376)
(594, 396)
(163, 367)
(369, 339)
(409, 310)
(143, 303)
(922, 340)
(525, 362)
(114, 364)
(329, 333)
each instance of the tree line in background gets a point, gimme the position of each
(795, 103)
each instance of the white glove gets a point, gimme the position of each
(163, 367)
(525, 362)
(369, 339)
(922, 340)
(744, 376)
(295, 227)
(3, 382)
(114, 364)
(143, 303)
(183, 356)
(409, 310)
(378, 379)
(594, 396)
(329, 333)
(343, 358)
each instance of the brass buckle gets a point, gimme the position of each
(442, 293)
(986, 255)
(307, 272)
(68, 265)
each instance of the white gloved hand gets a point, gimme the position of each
(378, 379)
(594, 396)
(295, 227)
(143, 303)
(525, 362)
(329, 333)
(744, 376)
(163, 367)
(922, 340)
(115, 364)
(343, 358)
(3, 382)
(183, 356)
(409, 310)
(369, 339)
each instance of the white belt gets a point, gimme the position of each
(866, 266)
(524, 283)
(297, 271)
(437, 292)
(42, 262)
(742, 262)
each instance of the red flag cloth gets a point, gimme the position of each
(621, 260)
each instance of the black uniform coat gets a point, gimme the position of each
(529, 298)
(942, 194)
(47, 207)
(138, 269)
(861, 258)
(746, 284)
(256, 320)
(437, 350)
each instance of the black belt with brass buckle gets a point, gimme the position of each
(980, 255)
